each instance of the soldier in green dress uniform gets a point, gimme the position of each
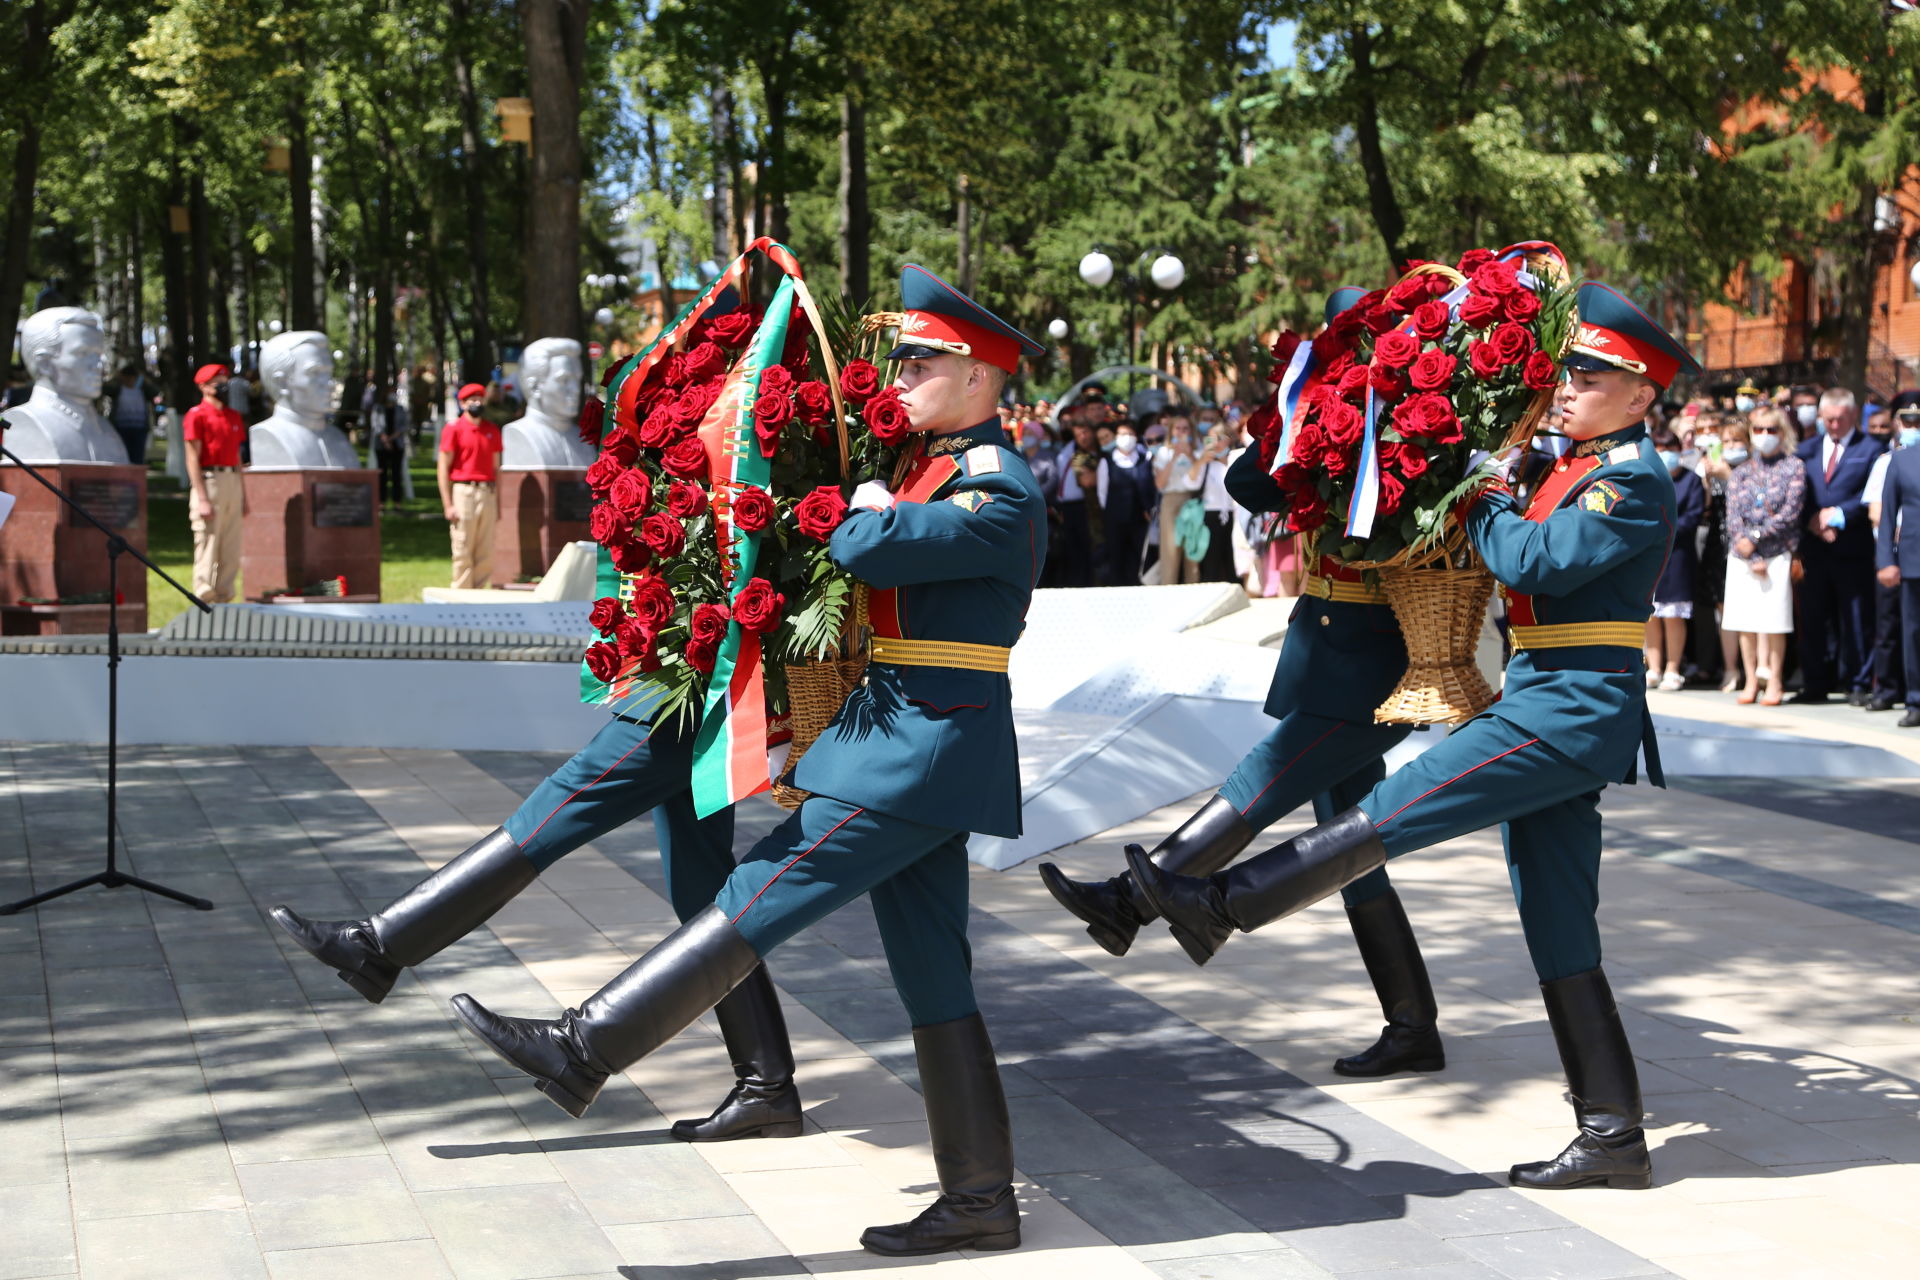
(1578, 566)
(921, 754)
(1342, 657)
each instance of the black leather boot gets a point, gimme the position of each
(1611, 1149)
(1410, 1041)
(972, 1148)
(425, 920)
(764, 1103)
(656, 998)
(1292, 875)
(1114, 909)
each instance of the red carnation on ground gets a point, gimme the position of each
(632, 494)
(1480, 310)
(1430, 321)
(652, 602)
(820, 512)
(886, 417)
(663, 535)
(757, 607)
(686, 457)
(685, 501)
(753, 509)
(1540, 372)
(603, 660)
(731, 331)
(607, 610)
(859, 381)
(610, 526)
(1433, 371)
(814, 403)
(1396, 350)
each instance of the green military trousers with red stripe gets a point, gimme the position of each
(827, 853)
(1487, 771)
(627, 769)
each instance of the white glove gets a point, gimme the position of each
(873, 496)
(777, 759)
(1497, 465)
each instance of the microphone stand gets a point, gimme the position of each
(112, 877)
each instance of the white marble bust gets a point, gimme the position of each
(63, 349)
(548, 437)
(297, 370)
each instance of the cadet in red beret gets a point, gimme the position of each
(213, 433)
(469, 465)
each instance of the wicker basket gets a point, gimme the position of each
(816, 691)
(1440, 597)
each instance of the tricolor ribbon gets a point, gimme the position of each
(1366, 490)
(1293, 384)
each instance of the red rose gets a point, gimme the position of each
(685, 501)
(623, 449)
(601, 475)
(814, 402)
(772, 409)
(886, 417)
(859, 381)
(752, 510)
(1349, 324)
(630, 557)
(1409, 293)
(686, 457)
(1293, 478)
(662, 427)
(1522, 307)
(757, 607)
(664, 535)
(606, 612)
(1335, 367)
(1341, 423)
(652, 602)
(1511, 342)
(1387, 384)
(709, 623)
(820, 512)
(1392, 491)
(1283, 348)
(731, 331)
(1379, 318)
(1338, 461)
(776, 379)
(632, 494)
(1308, 512)
(1410, 460)
(1472, 260)
(610, 526)
(1309, 442)
(603, 660)
(1264, 423)
(1500, 279)
(1430, 321)
(705, 360)
(675, 375)
(1353, 382)
(692, 405)
(592, 410)
(701, 656)
(1484, 360)
(634, 637)
(1479, 310)
(1427, 415)
(1328, 347)
(1396, 350)
(1432, 371)
(1540, 372)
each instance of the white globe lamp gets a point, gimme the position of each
(1168, 271)
(603, 316)
(1096, 269)
(1057, 330)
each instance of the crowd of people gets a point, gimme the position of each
(1773, 583)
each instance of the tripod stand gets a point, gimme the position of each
(112, 877)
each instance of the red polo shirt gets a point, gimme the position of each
(219, 431)
(473, 450)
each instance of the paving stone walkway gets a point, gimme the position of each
(183, 1095)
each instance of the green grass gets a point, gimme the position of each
(415, 551)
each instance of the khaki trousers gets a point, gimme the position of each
(478, 506)
(216, 542)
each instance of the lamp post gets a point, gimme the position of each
(1166, 271)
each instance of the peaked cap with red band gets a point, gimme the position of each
(1613, 333)
(937, 319)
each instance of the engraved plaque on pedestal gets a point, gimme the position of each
(342, 506)
(114, 503)
(572, 501)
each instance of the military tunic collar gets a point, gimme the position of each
(988, 432)
(1601, 444)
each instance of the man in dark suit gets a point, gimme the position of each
(1836, 597)
(1899, 559)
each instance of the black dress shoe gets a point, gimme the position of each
(1410, 1041)
(1911, 720)
(1611, 1148)
(1882, 702)
(1805, 699)
(1591, 1160)
(550, 1052)
(1859, 698)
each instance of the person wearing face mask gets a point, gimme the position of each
(1836, 594)
(1765, 494)
(1673, 593)
(1803, 403)
(1728, 447)
(1126, 495)
(1890, 664)
(1746, 397)
(1177, 477)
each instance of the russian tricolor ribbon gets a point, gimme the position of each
(1293, 385)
